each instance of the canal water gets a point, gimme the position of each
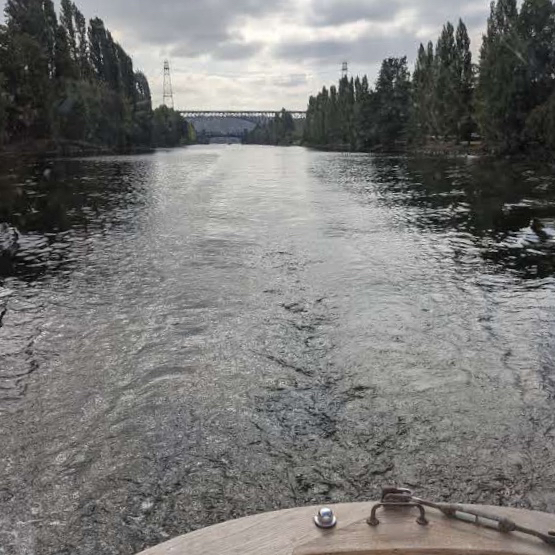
(200, 334)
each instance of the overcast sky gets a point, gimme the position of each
(268, 54)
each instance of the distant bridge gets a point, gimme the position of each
(241, 114)
(231, 123)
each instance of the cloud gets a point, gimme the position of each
(366, 49)
(226, 51)
(424, 12)
(265, 54)
(188, 28)
(236, 50)
(338, 12)
(290, 81)
(434, 12)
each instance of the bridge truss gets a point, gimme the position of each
(241, 114)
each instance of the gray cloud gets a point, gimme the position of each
(191, 28)
(290, 81)
(338, 12)
(223, 50)
(206, 38)
(371, 49)
(434, 12)
(185, 27)
(230, 51)
(367, 49)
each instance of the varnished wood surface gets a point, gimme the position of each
(292, 532)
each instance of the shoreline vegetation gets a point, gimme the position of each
(504, 105)
(430, 149)
(49, 148)
(67, 87)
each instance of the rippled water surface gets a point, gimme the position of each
(196, 335)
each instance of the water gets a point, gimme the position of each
(201, 334)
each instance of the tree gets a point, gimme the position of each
(62, 81)
(346, 104)
(5, 105)
(423, 116)
(67, 23)
(500, 90)
(280, 130)
(464, 84)
(29, 62)
(511, 97)
(392, 101)
(334, 117)
(142, 111)
(365, 110)
(320, 118)
(28, 17)
(536, 28)
(517, 74)
(49, 35)
(446, 83)
(309, 136)
(101, 54)
(169, 128)
(356, 117)
(81, 43)
(64, 66)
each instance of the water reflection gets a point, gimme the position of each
(206, 333)
(57, 216)
(476, 205)
(485, 204)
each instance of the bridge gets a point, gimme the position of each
(240, 114)
(212, 124)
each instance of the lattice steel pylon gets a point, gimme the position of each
(168, 91)
(345, 69)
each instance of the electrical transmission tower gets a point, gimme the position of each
(345, 69)
(168, 91)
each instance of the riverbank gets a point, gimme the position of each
(446, 149)
(49, 147)
(474, 148)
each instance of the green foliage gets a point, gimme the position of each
(391, 102)
(517, 74)
(355, 117)
(344, 109)
(363, 113)
(279, 131)
(539, 129)
(28, 83)
(443, 84)
(464, 85)
(423, 117)
(66, 82)
(5, 104)
(502, 66)
(169, 128)
(509, 99)
(142, 111)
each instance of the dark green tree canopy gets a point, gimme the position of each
(281, 130)
(65, 81)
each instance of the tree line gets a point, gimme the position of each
(279, 131)
(64, 80)
(507, 98)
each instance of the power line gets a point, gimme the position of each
(261, 73)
